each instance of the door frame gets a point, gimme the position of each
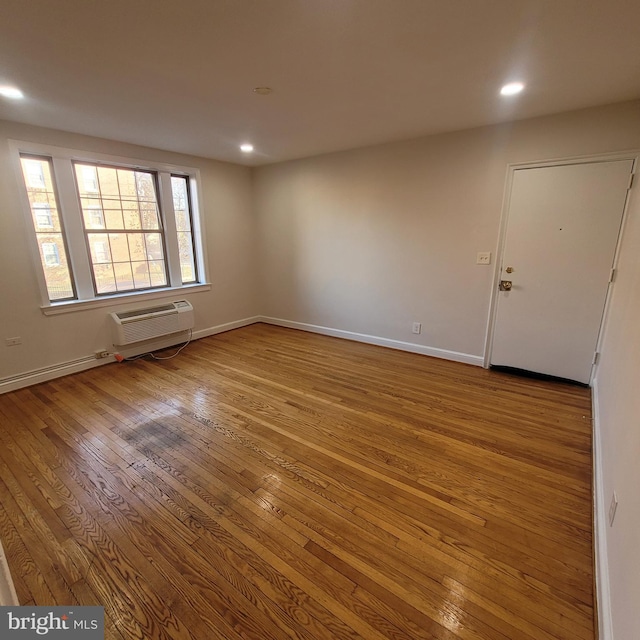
(633, 155)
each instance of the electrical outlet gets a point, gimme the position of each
(416, 327)
(12, 342)
(483, 257)
(612, 508)
(101, 354)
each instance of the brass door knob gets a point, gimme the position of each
(505, 285)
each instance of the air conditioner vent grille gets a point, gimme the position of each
(141, 312)
(151, 328)
(152, 322)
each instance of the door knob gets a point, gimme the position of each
(505, 285)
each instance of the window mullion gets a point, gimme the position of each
(74, 228)
(169, 223)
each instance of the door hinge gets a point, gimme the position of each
(631, 178)
(612, 276)
(596, 357)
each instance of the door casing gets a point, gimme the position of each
(506, 202)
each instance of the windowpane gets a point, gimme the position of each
(42, 215)
(112, 214)
(141, 275)
(104, 279)
(108, 181)
(131, 214)
(125, 205)
(145, 187)
(124, 278)
(50, 254)
(38, 179)
(187, 266)
(89, 180)
(154, 246)
(149, 216)
(127, 183)
(137, 247)
(93, 217)
(119, 242)
(99, 247)
(184, 226)
(157, 271)
(119, 247)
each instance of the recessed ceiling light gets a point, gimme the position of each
(11, 92)
(246, 148)
(512, 88)
(263, 91)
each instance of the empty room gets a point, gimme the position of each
(320, 319)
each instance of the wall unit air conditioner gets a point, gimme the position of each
(152, 322)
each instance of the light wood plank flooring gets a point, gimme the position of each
(270, 483)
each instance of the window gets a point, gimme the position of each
(125, 228)
(47, 224)
(184, 227)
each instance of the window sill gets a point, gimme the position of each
(69, 306)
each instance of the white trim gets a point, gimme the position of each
(600, 520)
(221, 328)
(69, 306)
(628, 154)
(614, 267)
(165, 195)
(444, 354)
(632, 155)
(497, 267)
(27, 219)
(36, 376)
(69, 209)
(86, 155)
(8, 595)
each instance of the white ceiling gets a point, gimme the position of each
(179, 75)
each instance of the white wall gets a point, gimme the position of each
(618, 423)
(370, 240)
(49, 341)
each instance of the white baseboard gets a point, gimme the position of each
(382, 342)
(29, 378)
(600, 523)
(221, 328)
(35, 376)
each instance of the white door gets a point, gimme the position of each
(562, 230)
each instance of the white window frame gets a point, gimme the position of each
(69, 209)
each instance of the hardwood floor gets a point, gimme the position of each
(270, 483)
